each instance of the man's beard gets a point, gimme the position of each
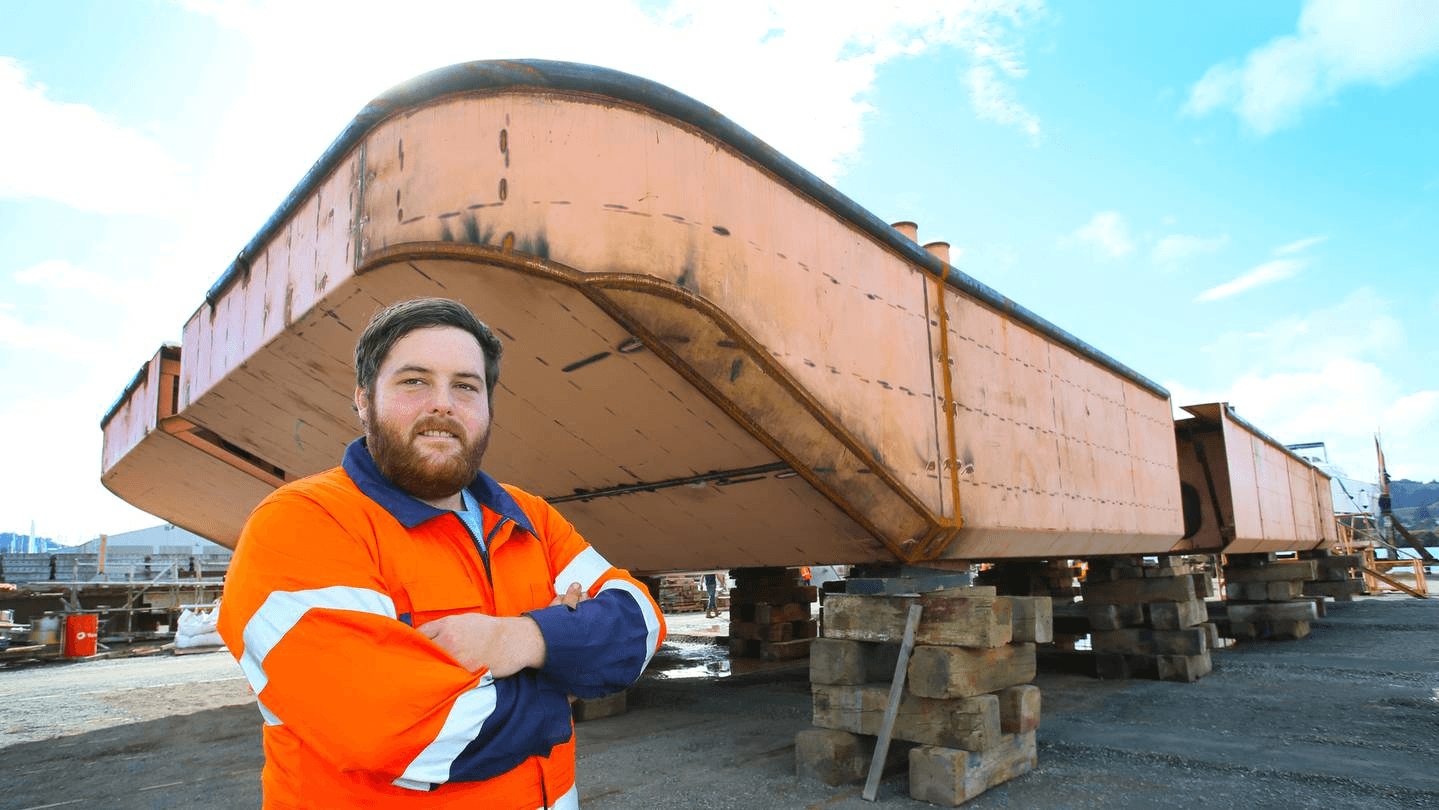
(407, 467)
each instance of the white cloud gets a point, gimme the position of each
(61, 470)
(1315, 378)
(1338, 43)
(1179, 247)
(1106, 232)
(1266, 273)
(78, 156)
(58, 274)
(1343, 404)
(993, 100)
(1296, 247)
(795, 73)
(53, 341)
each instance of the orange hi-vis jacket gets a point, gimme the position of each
(332, 574)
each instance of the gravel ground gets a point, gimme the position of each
(1348, 718)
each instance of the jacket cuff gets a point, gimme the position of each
(565, 640)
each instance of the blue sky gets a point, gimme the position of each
(1239, 200)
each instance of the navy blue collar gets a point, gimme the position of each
(411, 511)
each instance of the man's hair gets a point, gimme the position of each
(397, 320)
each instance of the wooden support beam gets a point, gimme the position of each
(1410, 539)
(1394, 583)
(955, 617)
(896, 690)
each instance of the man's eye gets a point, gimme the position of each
(466, 386)
(412, 381)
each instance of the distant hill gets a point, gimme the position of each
(1416, 506)
(1407, 493)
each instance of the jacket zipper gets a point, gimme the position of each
(488, 544)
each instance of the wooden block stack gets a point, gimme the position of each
(1336, 575)
(1062, 579)
(771, 614)
(1149, 620)
(1265, 597)
(968, 712)
(679, 593)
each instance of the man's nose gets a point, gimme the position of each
(443, 400)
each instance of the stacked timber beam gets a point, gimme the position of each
(1149, 620)
(680, 593)
(967, 714)
(1056, 579)
(771, 614)
(1335, 575)
(1265, 597)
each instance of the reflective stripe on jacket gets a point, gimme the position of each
(332, 574)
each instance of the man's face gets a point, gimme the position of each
(427, 419)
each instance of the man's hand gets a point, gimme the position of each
(504, 645)
(571, 597)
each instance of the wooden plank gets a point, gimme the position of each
(1334, 589)
(1121, 666)
(1113, 617)
(1394, 583)
(784, 650)
(744, 630)
(1144, 641)
(1131, 591)
(951, 617)
(778, 632)
(770, 613)
(969, 723)
(896, 690)
(1203, 585)
(950, 777)
(1247, 591)
(950, 672)
(595, 708)
(1032, 618)
(1285, 590)
(1270, 611)
(840, 757)
(1272, 572)
(1185, 668)
(1177, 615)
(842, 661)
(1019, 709)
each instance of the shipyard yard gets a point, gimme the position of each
(1348, 717)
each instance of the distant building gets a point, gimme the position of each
(12, 543)
(166, 539)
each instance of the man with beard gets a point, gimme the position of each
(411, 627)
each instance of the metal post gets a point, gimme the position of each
(896, 691)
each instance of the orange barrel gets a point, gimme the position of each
(81, 633)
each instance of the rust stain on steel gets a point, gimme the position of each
(593, 286)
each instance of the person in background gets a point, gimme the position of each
(411, 627)
(713, 580)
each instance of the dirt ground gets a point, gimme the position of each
(1347, 718)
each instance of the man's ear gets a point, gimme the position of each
(362, 406)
